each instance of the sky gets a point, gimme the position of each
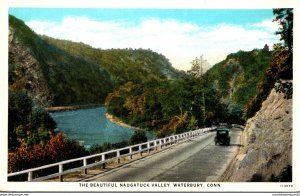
(179, 34)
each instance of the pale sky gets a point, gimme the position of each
(180, 35)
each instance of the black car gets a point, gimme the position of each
(222, 136)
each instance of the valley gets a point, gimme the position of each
(69, 100)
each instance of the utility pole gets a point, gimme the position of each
(201, 79)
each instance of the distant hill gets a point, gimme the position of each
(58, 72)
(124, 65)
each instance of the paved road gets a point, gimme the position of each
(196, 160)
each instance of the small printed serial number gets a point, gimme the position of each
(286, 185)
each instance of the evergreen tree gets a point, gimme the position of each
(285, 18)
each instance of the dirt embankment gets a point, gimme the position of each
(118, 121)
(266, 143)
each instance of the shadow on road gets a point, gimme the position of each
(238, 145)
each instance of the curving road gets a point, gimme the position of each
(196, 160)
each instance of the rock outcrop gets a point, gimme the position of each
(27, 72)
(266, 143)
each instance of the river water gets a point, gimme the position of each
(90, 126)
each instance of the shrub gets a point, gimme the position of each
(139, 136)
(40, 118)
(281, 66)
(24, 158)
(284, 87)
(57, 149)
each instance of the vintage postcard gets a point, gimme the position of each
(133, 96)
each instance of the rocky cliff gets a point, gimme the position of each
(266, 143)
(25, 71)
(237, 77)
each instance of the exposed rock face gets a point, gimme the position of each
(266, 142)
(28, 73)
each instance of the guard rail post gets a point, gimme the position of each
(130, 152)
(30, 176)
(60, 170)
(148, 147)
(140, 149)
(103, 160)
(118, 156)
(85, 164)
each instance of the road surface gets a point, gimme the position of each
(196, 160)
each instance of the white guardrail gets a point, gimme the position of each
(105, 157)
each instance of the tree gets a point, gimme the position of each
(27, 122)
(197, 71)
(197, 67)
(285, 17)
(19, 109)
(40, 118)
(266, 47)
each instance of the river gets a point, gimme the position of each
(90, 126)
